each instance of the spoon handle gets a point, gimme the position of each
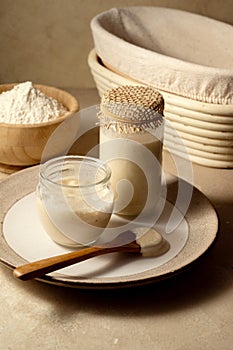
(44, 266)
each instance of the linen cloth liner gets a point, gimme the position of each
(176, 51)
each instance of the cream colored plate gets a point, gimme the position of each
(114, 271)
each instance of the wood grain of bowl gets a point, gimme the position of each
(23, 144)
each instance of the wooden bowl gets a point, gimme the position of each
(23, 144)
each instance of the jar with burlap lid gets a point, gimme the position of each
(131, 139)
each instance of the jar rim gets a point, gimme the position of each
(62, 160)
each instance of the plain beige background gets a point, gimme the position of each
(48, 41)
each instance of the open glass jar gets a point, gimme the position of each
(131, 142)
(74, 199)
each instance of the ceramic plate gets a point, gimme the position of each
(22, 238)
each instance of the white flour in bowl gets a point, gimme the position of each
(25, 104)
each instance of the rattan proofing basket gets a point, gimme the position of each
(205, 129)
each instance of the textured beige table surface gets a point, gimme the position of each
(191, 311)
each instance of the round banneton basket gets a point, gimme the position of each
(23, 144)
(205, 129)
(190, 55)
(189, 60)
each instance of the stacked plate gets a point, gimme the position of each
(198, 98)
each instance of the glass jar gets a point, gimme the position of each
(131, 142)
(74, 199)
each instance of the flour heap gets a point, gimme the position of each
(25, 104)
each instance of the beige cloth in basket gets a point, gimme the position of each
(173, 50)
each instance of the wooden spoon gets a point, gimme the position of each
(149, 244)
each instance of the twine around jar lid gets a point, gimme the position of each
(139, 106)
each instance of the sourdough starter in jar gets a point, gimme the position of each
(74, 199)
(131, 136)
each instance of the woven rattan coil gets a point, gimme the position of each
(133, 104)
